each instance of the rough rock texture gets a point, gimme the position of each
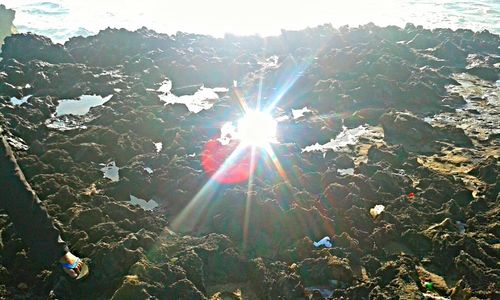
(425, 104)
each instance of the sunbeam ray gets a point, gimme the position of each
(190, 215)
(248, 203)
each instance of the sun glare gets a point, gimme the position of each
(257, 128)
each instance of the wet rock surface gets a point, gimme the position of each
(428, 104)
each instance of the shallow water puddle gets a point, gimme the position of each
(146, 205)
(72, 114)
(16, 101)
(82, 106)
(478, 117)
(482, 97)
(110, 171)
(202, 99)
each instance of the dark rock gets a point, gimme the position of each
(131, 288)
(320, 270)
(184, 289)
(193, 265)
(488, 170)
(416, 135)
(485, 73)
(344, 162)
(26, 47)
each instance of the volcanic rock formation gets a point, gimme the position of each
(412, 113)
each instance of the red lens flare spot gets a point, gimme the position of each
(219, 163)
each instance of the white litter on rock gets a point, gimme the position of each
(149, 170)
(299, 113)
(110, 171)
(204, 98)
(324, 242)
(349, 171)
(461, 227)
(158, 146)
(434, 297)
(282, 118)
(165, 87)
(146, 205)
(345, 138)
(16, 102)
(377, 210)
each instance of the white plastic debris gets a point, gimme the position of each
(461, 227)
(377, 210)
(434, 297)
(15, 101)
(349, 171)
(202, 99)
(324, 242)
(299, 113)
(146, 205)
(342, 140)
(165, 87)
(158, 146)
(110, 171)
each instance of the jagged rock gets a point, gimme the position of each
(184, 289)
(131, 288)
(320, 270)
(487, 170)
(416, 135)
(26, 47)
(193, 265)
(471, 267)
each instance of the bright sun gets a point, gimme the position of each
(256, 128)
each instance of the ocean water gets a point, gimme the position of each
(62, 19)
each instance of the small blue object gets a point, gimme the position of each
(324, 241)
(71, 266)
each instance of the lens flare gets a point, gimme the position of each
(227, 163)
(257, 128)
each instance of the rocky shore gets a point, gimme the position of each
(425, 108)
